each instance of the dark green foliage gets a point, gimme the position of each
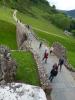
(73, 31)
(60, 20)
(53, 9)
(25, 6)
(72, 25)
(45, 2)
(22, 5)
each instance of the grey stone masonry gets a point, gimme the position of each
(44, 81)
(60, 51)
(23, 35)
(7, 65)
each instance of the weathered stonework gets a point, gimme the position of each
(44, 81)
(7, 66)
(59, 51)
(20, 91)
(22, 35)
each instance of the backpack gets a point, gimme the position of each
(54, 72)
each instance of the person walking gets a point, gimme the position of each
(55, 66)
(40, 45)
(45, 56)
(61, 62)
(53, 72)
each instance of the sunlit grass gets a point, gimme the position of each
(27, 69)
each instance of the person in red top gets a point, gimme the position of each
(45, 56)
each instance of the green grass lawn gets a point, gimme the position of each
(27, 68)
(8, 34)
(7, 28)
(6, 14)
(71, 58)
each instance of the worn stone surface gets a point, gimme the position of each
(19, 91)
(23, 35)
(60, 51)
(7, 66)
(45, 84)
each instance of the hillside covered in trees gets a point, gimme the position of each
(25, 5)
(71, 13)
(30, 7)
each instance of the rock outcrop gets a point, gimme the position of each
(7, 66)
(19, 91)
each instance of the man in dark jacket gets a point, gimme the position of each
(61, 62)
(53, 72)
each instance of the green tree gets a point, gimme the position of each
(73, 31)
(60, 20)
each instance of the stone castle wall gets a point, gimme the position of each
(7, 66)
(22, 35)
(60, 51)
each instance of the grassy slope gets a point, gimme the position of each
(39, 23)
(27, 69)
(7, 34)
(42, 24)
(6, 14)
(7, 28)
(26, 65)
